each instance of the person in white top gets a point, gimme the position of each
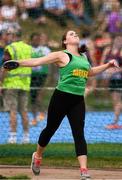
(32, 9)
(9, 14)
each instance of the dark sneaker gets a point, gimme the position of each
(35, 164)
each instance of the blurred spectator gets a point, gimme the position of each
(96, 6)
(2, 45)
(39, 76)
(75, 10)
(87, 44)
(9, 15)
(101, 40)
(56, 10)
(33, 9)
(87, 40)
(88, 7)
(53, 44)
(46, 46)
(118, 41)
(16, 84)
(115, 19)
(112, 22)
(114, 82)
(44, 43)
(0, 3)
(6, 37)
(106, 6)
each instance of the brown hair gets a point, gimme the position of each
(63, 39)
(81, 49)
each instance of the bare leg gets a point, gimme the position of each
(13, 122)
(83, 167)
(83, 161)
(116, 98)
(39, 151)
(25, 121)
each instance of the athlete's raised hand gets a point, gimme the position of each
(113, 63)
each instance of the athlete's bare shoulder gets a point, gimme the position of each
(62, 55)
(63, 58)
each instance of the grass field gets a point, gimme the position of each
(14, 177)
(59, 155)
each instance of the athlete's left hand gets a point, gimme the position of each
(113, 63)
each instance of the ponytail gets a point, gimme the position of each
(83, 49)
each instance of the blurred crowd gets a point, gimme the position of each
(100, 22)
(100, 27)
(86, 12)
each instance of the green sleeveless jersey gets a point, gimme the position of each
(73, 76)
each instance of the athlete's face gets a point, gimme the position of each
(72, 38)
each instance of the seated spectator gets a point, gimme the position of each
(56, 9)
(118, 41)
(75, 10)
(9, 14)
(33, 9)
(106, 6)
(113, 21)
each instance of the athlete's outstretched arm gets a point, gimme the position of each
(50, 58)
(96, 70)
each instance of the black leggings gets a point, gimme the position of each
(73, 106)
